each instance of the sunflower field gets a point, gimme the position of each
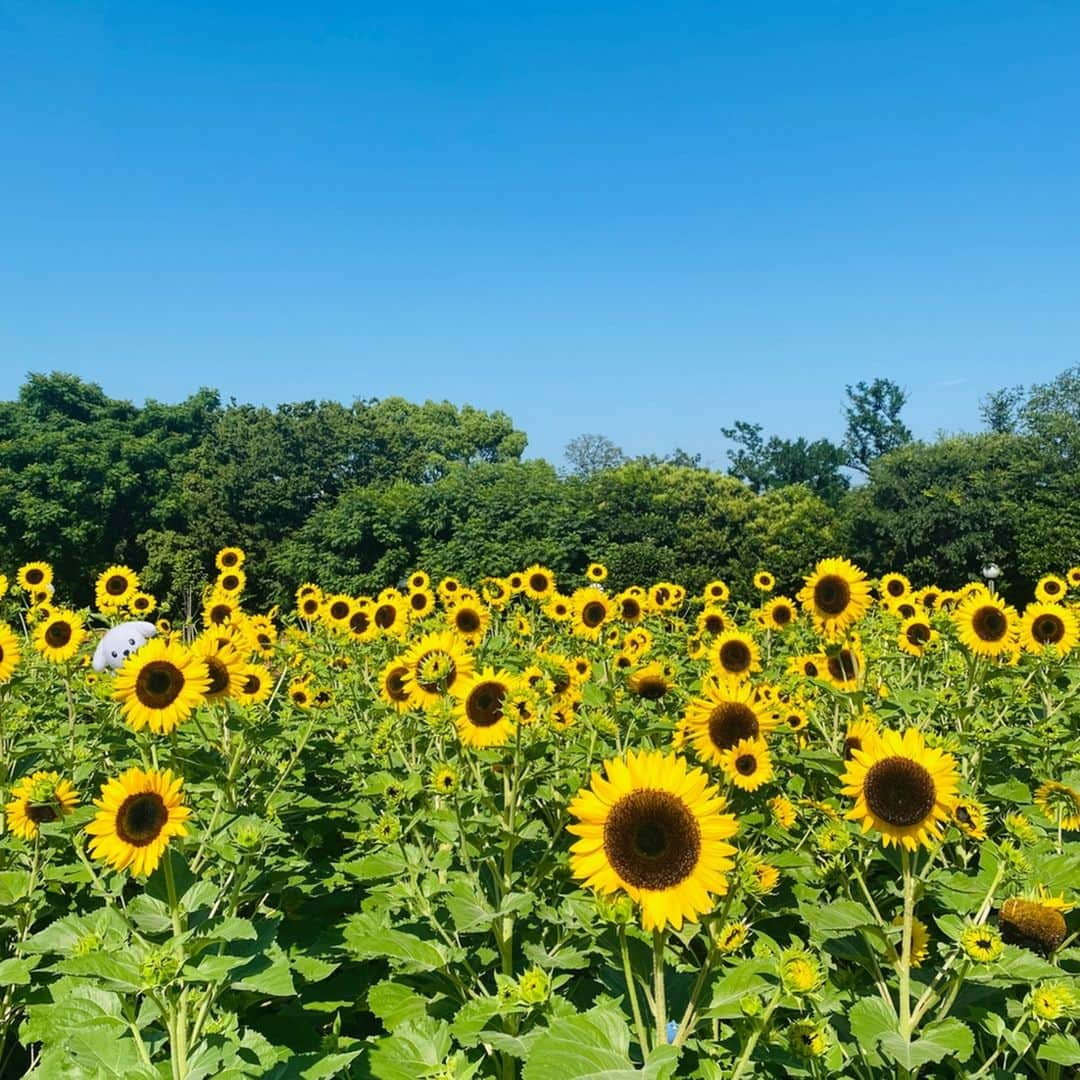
(522, 827)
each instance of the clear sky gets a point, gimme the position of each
(641, 220)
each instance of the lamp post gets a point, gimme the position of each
(991, 572)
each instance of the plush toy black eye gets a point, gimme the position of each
(131, 641)
(114, 654)
(127, 652)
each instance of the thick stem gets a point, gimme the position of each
(631, 990)
(659, 1000)
(905, 954)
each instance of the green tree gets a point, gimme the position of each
(765, 464)
(873, 419)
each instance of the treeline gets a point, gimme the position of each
(356, 496)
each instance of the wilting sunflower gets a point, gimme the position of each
(894, 586)
(231, 582)
(224, 665)
(34, 575)
(916, 635)
(1043, 625)
(735, 654)
(652, 681)
(37, 800)
(256, 684)
(435, 664)
(764, 581)
(728, 713)
(469, 619)
(656, 829)
(138, 814)
(539, 582)
(10, 653)
(747, 764)
(711, 622)
(1060, 803)
(779, 613)
(902, 788)
(985, 624)
(1050, 589)
(592, 609)
(115, 587)
(59, 636)
(482, 719)
(229, 558)
(1031, 925)
(160, 685)
(596, 572)
(836, 595)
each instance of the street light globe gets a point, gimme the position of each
(991, 572)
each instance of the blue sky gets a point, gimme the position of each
(646, 221)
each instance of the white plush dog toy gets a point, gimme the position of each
(120, 642)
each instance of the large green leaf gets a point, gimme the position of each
(935, 1043)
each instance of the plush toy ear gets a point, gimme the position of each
(147, 629)
(100, 653)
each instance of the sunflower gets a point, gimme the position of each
(495, 592)
(836, 595)
(894, 586)
(59, 636)
(3, 584)
(656, 829)
(224, 665)
(255, 685)
(711, 622)
(783, 811)
(1031, 925)
(360, 625)
(138, 814)
(539, 582)
(434, 666)
(390, 616)
(716, 592)
(309, 605)
(10, 653)
(638, 642)
(34, 575)
(596, 572)
(1072, 575)
(115, 587)
(299, 692)
(559, 608)
(592, 609)
(160, 685)
(1060, 804)
(764, 581)
(916, 635)
(231, 582)
(747, 764)
(982, 943)
(219, 609)
(808, 665)
(468, 619)
(629, 607)
(36, 800)
(141, 604)
(448, 588)
(735, 654)
(985, 624)
(336, 609)
(929, 597)
(482, 719)
(902, 788)
(652, 681)
(1050, 589)
(969, 816)
(229, 558)
(421, 603)
(845, 666)
(661, 596)
(920, 942)
(1043, 625)
(779, 613)
(728, 713)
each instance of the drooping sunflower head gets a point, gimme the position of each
(985, 624)
(836, 595)
(1031, 925)
(1060, 804)
(1045, 625)
(729, 713)
(654, 828)
(115, 586)
(37, 800)
(735, 654)
(902, 788)
(138, 814)
(160, 685)
(59, 636)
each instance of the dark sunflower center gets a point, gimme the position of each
(219, 676)
(339, 610)
(538, 582)
(781, 614)
(484, 705)
(1048, 630)
(252, 684)
(141, 818)
(41, 813)
(730, 722)
(220, 613)
(661, 595)
(141, 603)
(918, 633)
(58, 634)
(159, 684)
(592, 614)
(631, 609)
(735, 656)
(560, 681)
(963, 816)
(228, 559)
(418, 601)
(832, 594)
(905, 611)
(230, 582)
(714, 624)
(652, 687)
(116, 585)
(842, 666)
(385, 616)
(1029, 924)
(652, 839)
(35, 576)
(1051, 587)
(899, 791)
(467, 621)
(359, 622)
(851, 744)
(810, 669)
(895, 588)
(989, 624)
(746, 765)
(311, 606)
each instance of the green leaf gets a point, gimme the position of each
(111, 971)
(366, 939)
(593, 1044)
(870, 1019)
(1060, 1049)
(935, 1043)
(395, 1004)
(467, 908)
(13, 885)
(268, 974)
(837, 917)
(473, 1017)
(16, 972)
(415, 1049)
(379, 864)
(729, 990)
(1013, 791)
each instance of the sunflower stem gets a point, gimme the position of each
(905, 955)
(631, 990)
(659, 1002)
(179, 1041)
